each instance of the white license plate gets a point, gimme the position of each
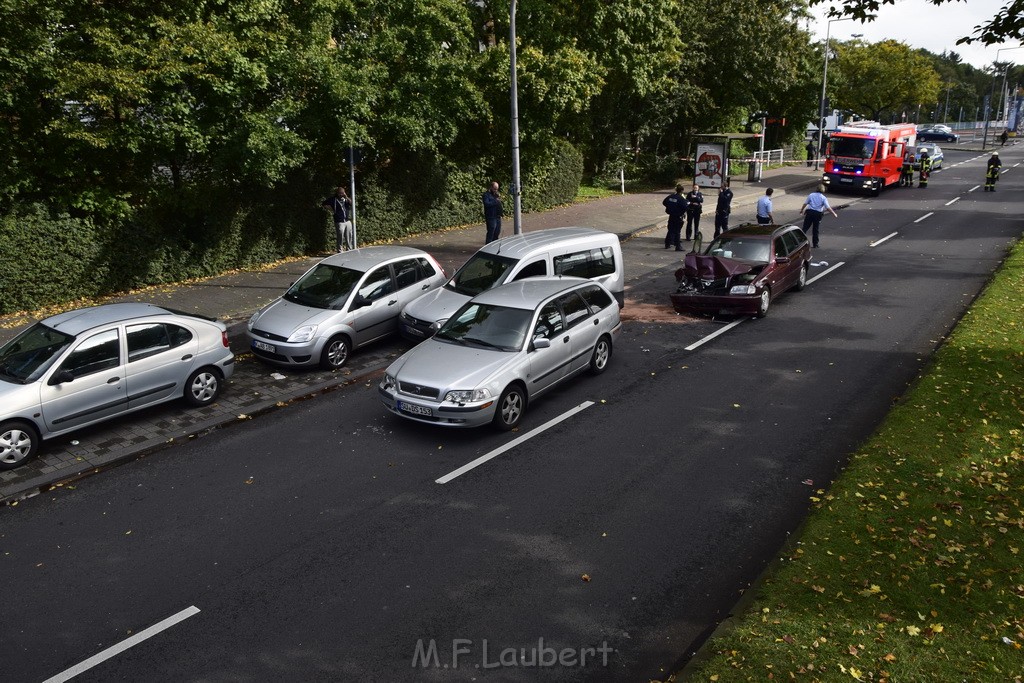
(263, 346)
(846, 180)
(413, 409)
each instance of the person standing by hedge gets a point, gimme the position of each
(341, 206)
(492, 212)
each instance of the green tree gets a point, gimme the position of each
(885, 77)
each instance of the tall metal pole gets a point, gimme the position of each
(945, 110)
(352, 194)
(517, 199)
(824, 82)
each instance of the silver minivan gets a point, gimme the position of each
(577, 252)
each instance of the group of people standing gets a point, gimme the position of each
(924, 169)
(691, 206)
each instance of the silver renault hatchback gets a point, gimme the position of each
(342, 303)
(501, 350)
(84, 366)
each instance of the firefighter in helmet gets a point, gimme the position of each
(907, 170)
(924, 169)
(992, 172)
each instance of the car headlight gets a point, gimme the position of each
(388, 383)
(303, 334)
(469, 396)
(743, 289)
(252, 321)
(438, 324)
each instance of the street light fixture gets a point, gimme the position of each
(517, 197)
(824, 82)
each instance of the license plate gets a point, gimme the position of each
(263, 346)
(846, 180)
(414, 409)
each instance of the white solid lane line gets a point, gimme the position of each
(825, 272)
(714, 334)
(930, 213)
(954, 200)
(887, 237)
(974, 188)
(512, 444)
(115, 650)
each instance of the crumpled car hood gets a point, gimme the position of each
(701, 267)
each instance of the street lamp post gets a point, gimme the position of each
(824, 83)
(984, 138)
(517, 197)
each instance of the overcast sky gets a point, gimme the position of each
(919, 23)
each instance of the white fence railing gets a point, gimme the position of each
(769, 156)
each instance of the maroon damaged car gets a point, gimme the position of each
(742, 271)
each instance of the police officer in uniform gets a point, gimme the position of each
(694, 208)
(924, 170)
(723, 208)
(992, 172)
(675, 206)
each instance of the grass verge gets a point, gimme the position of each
(909, 567)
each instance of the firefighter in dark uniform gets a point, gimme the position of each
(924, 170)
(907, 170)
(992, 172)
(675, 206)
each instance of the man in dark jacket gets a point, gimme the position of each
(675, 207)
(341, 207)
(723, 209)
(694, 208)
(492, 212)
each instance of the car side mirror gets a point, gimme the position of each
(782, 259)
(541, 343)
(62, 377)
(359, 302)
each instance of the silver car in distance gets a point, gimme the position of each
(92, 364)
(501, 350)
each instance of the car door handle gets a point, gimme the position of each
(113, 380)
(596, 321)
(187, 356)
(565, 340)
(392, 302)
(426, 286)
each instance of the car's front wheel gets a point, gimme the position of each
(511, 407)
(202, 387)
(602, 354)
(764, 303)
(335, 353)
(18, 442)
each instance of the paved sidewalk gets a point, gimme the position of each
(257, 387)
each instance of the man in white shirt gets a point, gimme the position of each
(813, 209)
(764, 208)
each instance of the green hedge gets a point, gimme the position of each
(50, 258)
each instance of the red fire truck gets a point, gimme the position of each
(866, 155)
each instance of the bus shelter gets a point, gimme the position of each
(711, 159)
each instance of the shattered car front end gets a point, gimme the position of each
(714, 285)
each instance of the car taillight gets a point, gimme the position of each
(224, 338)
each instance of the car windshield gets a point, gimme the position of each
(324, 287)
(739, 247)
(480, 273)
(496, 327)
(858, 148)
(29, 354)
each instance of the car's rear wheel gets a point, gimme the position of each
(801, 280)
(18, 442)
(765, 303)
(203, 387)
(602, 354)
(335, 353)
(511, 407)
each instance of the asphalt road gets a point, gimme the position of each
(316, 544)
